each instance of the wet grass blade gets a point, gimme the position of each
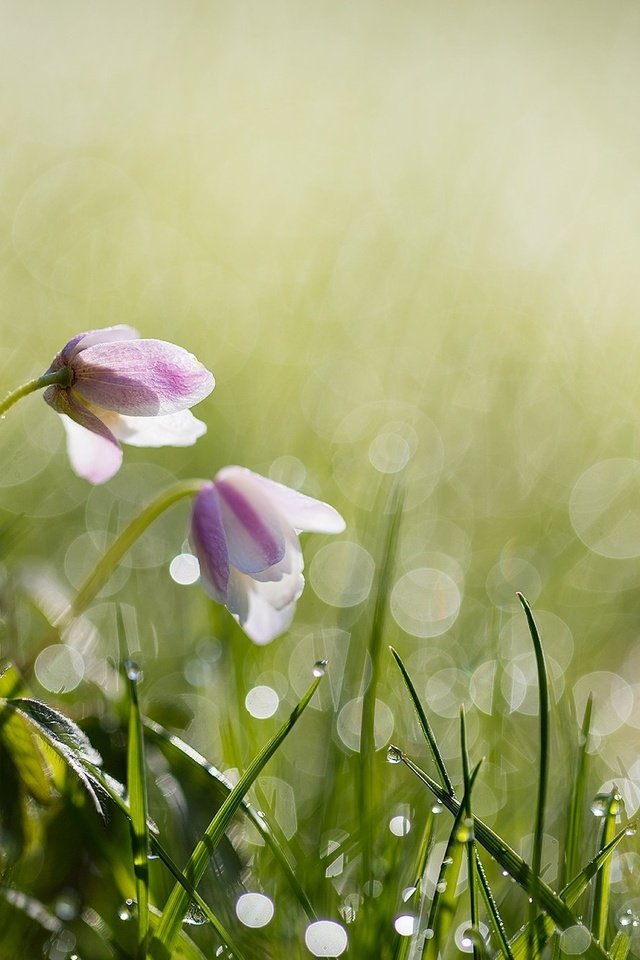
(470, 840)
(620, 946)
(138, 805)
(509, 860)
(601, 894)
(116, 797)
(543, 772)
(447, 784)
(178, 901)
(571, 893)
(575, 820)
(424, 724)
(366, 768)
(445, 900)
(170, 744)
(404, 946)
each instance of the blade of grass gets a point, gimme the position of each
(471, 859)
(366, 768)
(575, 819)
(178, 902)
(107, 785)
(570, 893)
(170, 742)
(620, 946)
(447, 783)
(404, 946)
(138, 805)
(424, 724)
(600, 906)
(508, 859)
(543, 772)
(445, 901)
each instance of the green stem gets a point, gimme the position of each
(108, 563)
(61, 377)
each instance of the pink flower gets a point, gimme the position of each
(125, 389)
(244, 530)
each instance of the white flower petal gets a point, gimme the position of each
(180, 429)
(250, 605)
(92, 456)
(302, 512)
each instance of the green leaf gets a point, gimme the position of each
(137, 790)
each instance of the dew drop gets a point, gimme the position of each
(320, 668)
(127, 910)
(394, 755)
(441, 886)
(437, 808)
(133, 671)
(195, 916)
(630, 831)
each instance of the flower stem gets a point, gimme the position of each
(108, 563)
(62, 377)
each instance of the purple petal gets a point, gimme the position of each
(83, 340)
(140, 378)
(254, 530)
(251, 606)
(92, 456)
(302, 512)
(209, 542)
(180, 429)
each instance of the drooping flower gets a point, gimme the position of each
(244, 530)
(125, 389)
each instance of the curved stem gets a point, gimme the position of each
(108, 563)
(62, 377)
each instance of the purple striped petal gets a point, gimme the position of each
(209, 542)
(253, 528)
(140, 378)
(302, 512)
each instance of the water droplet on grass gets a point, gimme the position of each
(127, 910)
(195, 916)
(320, 668)
(133, 671)
(394, 755)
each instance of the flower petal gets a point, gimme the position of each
(209, 542)
(93, 456)
(254, 529)
(87, 339)
(251, 607)
(180, 429)
(302, 512)
(140, 378)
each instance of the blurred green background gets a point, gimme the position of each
(405, 239)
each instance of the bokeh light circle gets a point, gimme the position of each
(341, 573)
(254, 909)
(605, 508)
(326, 938)
(349, 724)
(612, 700)
(59, 668)
(262, 702)
(425, 602)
